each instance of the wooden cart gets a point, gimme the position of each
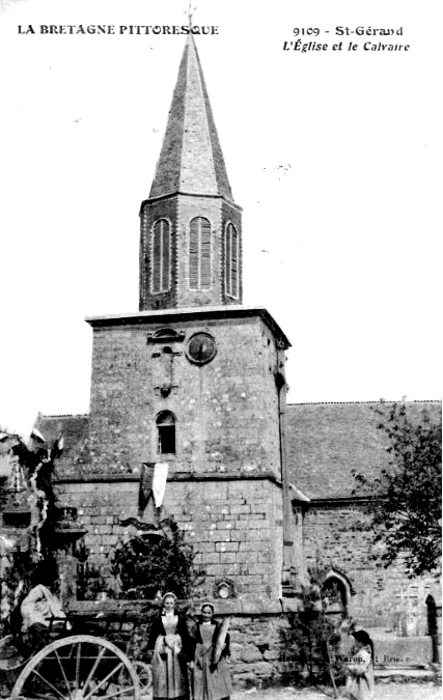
(85, 659)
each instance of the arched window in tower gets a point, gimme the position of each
(161, 257)
(166, 432)
(200, 253)
(231, 261)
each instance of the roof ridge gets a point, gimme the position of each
(63, 415)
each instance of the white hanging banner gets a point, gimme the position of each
(159, 482)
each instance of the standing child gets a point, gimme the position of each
(360, 682)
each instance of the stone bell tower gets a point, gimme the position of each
(190, 244)
(194, 381)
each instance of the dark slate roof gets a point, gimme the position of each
(327, 441)
(191, 159)
(75, 429)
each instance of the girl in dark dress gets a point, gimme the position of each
(212, 680)
(170, 642)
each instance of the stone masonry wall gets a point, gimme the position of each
(234, 526)
(384, 598)
(226, 411)
(255, 649)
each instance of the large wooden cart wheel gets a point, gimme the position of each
(80, 667)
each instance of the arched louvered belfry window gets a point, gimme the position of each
(231, 261)
(165, 432)
(200, 253)
(161, 256)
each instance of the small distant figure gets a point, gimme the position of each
(212, 680)
(360, 681)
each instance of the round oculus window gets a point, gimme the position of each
(201, 348)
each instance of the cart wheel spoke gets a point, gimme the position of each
(77, 666)
(118, 693)
(105, 682)
(94, 669)
(62, 670)
(48, 683)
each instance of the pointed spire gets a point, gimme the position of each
(191, 159)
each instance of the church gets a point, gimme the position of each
(189, 395)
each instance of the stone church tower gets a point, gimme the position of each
(189, 393)
(195, 380)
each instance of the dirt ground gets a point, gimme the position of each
(383, 691)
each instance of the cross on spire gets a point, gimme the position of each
(190, 12)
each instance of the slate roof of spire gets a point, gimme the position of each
(191, 159)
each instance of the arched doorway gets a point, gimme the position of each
(335, 598)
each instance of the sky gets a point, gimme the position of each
(333, 155)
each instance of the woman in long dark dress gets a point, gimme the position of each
(169, 640)
(212, 680)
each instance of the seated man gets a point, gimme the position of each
(38, 609)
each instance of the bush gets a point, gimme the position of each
(310, 649)
(147, 565)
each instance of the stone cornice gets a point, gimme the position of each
(210, 476)
(191, 314)
(179, 193)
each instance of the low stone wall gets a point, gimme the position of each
(255, 640)
(402, 652)
(255, 649)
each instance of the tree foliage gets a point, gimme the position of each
(310, 642)
(146, 566)
(28, 554)
(405, 500)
